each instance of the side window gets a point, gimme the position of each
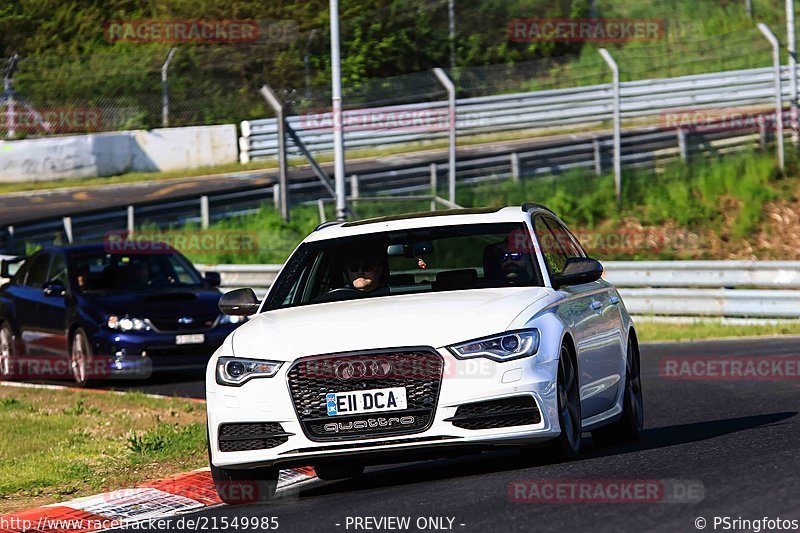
(565, 239)
(37, 274)
(554, 255)
(58, 270)
(22, 271)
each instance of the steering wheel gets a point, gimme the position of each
(342, 293)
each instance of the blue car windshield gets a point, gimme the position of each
(104, 272)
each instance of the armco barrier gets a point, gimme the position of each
(662, 288)
(554, 109)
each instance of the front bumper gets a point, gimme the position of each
(136, 355)
(463, 382)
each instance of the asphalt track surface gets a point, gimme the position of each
(28, 207)
(737, 438)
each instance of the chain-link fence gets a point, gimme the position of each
(135, 87)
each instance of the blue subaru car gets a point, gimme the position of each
(84, 312)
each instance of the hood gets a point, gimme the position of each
(161, 304)
(430, 319)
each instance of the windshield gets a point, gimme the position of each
(420, 260)
(133, 272)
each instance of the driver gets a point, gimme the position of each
(368, 272)
(507, 266)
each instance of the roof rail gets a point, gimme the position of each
(328, 223)
(527, 206)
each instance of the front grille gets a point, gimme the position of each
(419, 370)
(517, 411)
(251, 436)
(170, 324)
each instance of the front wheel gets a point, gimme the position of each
(6, 351)
(237, 487)
(80, 358)
(568, 445)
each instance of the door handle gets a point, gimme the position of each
(614, 300)
(596, 304)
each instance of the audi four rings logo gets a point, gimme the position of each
(373, 368)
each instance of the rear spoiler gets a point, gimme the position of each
(6, 270)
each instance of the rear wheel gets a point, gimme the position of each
(6, 351)
(629, 426)
(568, 445)
(237, 487)
(80, 358)
(332, 472)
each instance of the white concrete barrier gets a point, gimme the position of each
(107, 154)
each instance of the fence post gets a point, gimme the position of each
(451, 99)
(131, 220)
(277, 106)
(682, 145)
(321, 208)
(617, 128)
(776, 66)
(515, 168)
(354, 188)
(791, 45)
(434, 185)
(276, 196)
(762, 133)
(204, 218)
(165, 89)
(68, 228)
(598, 157)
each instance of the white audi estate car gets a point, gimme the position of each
(424, 335)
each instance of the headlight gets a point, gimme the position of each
(126, 323)
(231, 319)
(504, 347)
(234, 371)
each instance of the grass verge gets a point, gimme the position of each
(655, 331)
(60, 444)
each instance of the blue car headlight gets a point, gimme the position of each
(233, 371)
(502, 347)
(126, 323)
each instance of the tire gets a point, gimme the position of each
(569, 443)
(629, 426)
(238, 487)
(80, 357)
(7, 351)
(333, 472)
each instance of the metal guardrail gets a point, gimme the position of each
(663, 288)
(537, 110)
(648, 147)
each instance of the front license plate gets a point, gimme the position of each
(366, 401)
(195, 338)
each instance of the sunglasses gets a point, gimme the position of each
(511, 256)
(362, 266)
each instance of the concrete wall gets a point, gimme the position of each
(107, 154)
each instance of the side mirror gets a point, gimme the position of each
(54, 288)
(239, 302)
(9, 267)
(578, 270)
(213, 279)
